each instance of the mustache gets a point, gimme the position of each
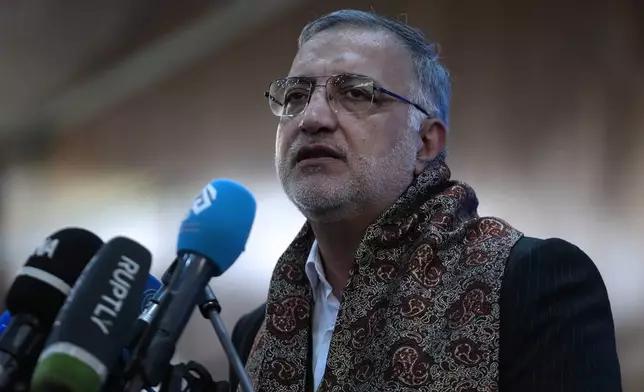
(305, 141)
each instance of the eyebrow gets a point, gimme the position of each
(309, 77)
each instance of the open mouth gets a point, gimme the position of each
(317, 151)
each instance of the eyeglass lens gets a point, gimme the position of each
(345, 93)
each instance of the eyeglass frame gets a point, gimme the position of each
(376, 87)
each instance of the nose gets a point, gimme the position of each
(318, 115)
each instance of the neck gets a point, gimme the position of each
(338, 242)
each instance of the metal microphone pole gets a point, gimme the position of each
(210, 309)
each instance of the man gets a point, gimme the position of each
(395, 283)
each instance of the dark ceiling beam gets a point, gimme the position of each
(152, 64)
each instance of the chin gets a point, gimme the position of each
(332, 212)
(320, 181)
(319, 195)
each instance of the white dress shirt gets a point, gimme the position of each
(325, 311)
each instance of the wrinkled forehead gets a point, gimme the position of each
(356, 51)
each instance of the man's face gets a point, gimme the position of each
(373, 152)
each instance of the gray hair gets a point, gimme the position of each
(431, 89)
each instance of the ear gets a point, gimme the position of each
(432, 135)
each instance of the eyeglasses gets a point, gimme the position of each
(346, 93)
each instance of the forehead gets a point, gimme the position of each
(371, 53)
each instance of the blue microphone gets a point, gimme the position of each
(5, 318)
(152, 285)
(211, 238)
(218, 225)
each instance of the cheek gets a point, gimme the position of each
(361, 136)
(373, 140)
(283, 141)
(278, 141)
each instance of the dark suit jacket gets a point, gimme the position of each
(556, 333)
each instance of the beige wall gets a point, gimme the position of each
(547, 124)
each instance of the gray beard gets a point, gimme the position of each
(331, 198)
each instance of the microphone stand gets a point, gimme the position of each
(209, 307)
(210, 310)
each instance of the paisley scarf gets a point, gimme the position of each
(420, 311)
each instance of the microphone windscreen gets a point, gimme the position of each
(218, 224)
(5, 318)
(94, 325)
(152, 285)
(51, 271)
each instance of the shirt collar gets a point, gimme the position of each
(315, 270)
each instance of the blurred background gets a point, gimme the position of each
(114, 114)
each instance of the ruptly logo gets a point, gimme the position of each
(47, 248)
(204, 200)
(109, 307)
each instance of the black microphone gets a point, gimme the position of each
(36, 296)
(93, 327)
(211, 238)
(152, 307)
(145, 328)
(195, 376)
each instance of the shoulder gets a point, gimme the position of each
(551, 281)
(250, 321)
(559, 258)
(256, 316)
(245, 331)
(556, 328)
(538, 267)
(243, 337)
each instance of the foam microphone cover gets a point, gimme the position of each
(93, 326)
(45, 281)
(218, 225)
(5, 319)
(152, 285)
